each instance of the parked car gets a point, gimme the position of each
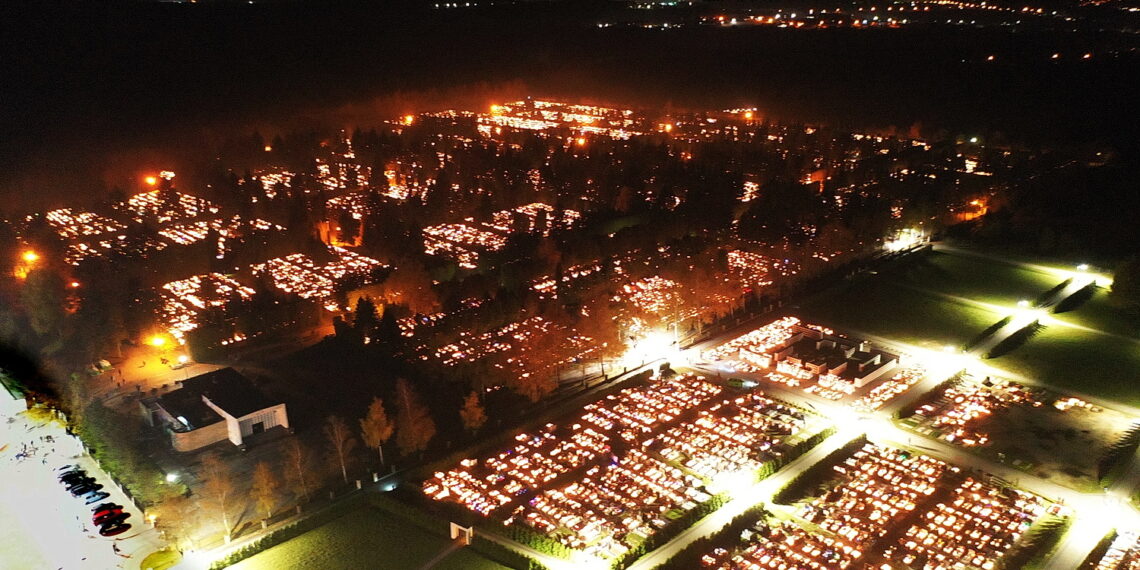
(73, 483)
(104, 513)
(85, 489)
(72, 476)
(114, 529)
(112, 519)
(105, 507)
(97, 496)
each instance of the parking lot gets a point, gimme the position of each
(46, 527)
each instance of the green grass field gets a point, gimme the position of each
(878, 307)
(976, 278)
(366, 538)
(1082, 361)
(1100, 313)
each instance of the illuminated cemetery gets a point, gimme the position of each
(819, 361)
(185, 300)
(645, 454)
(938, 516)
(299, 274)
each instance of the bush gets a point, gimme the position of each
(1098, 552)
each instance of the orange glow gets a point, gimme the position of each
(748, 115)
(30, 256)
(157, 341)
(268, 148)
(581, 141)
(151, 180)
(74, 284)
(495, 109)
(668, 127)
(409, 119)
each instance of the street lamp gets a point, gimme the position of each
(171, 477)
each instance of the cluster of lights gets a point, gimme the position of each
(462, 242)
(730, 437)
(179, 206)
(504, 220)
(962, 407)
(548, 115)
(653, 295)
(547, 286)
(270, 180)
(667, 463)
(70, 224)
(471, 347)
(883, 393)
(184, 300)
(1123, 553)
(975, 528)
(754, 270)
(299, 274)
(752, 349)
(192, 232)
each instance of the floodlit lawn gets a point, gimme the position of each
(161, 560)
(1081, 361)
(976, 278)
(878, 307)
(1100, 313)
(366, 538)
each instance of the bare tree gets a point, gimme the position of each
(340, 441)
(264, 489)
(472, 413)
(415, 426)
(376, 428)
(218, 488)
(176, 517)
(297, 458)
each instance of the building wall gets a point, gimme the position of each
(199, 438)
(271, 417)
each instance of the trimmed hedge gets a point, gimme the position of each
(291, 531)
(930, 396)
(1112, 464)
(1044, 297)
(986, 333)
(817, 473)
(670, 531)
(728, 537)
(1015, 340)
(1098, 552)
(1037, 543)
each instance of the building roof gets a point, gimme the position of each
(230, 391)
(187, 406)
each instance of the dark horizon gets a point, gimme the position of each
(90, 90)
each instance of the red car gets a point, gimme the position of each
(105, 516)
(114, 529)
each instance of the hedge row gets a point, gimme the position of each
(1112, 464)
(1098, 552)
(1015, 340)
(817, 473)
(670, 531)
(727, 538)
(796, 451)
(1037, 543)
(528, 536)
(1044, 297)
(986, 333)
(333, 512)
(929, 397)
